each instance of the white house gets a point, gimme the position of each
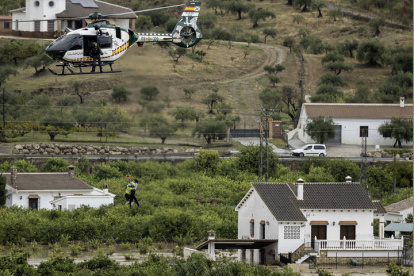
(398, 212)
(47, 18)
(328, 219)
(60, 191)
(353, 121)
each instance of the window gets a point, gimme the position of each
(252, 228)
(105, 42)
(37, 26)
(319, 147)
(262, 229)
(51, 3)
(37, 3)
(60, 207)
(292, 232)
(347, 231)
(308, 148)
(7, 25)
(363, 131)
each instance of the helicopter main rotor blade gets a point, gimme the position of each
(147, 10)
(102, 16)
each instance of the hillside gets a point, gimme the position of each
(236, 72)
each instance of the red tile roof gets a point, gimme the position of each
(47, 181)
(359, 111)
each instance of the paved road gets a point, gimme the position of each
(333, 150)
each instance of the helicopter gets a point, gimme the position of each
(72, 49)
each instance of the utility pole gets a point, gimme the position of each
(4, 115)
(264, 142)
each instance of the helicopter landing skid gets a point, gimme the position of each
(70, 69)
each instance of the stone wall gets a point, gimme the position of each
(323, 259)
(383, 154)
(64, 149)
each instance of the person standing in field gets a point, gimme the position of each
(133, 188)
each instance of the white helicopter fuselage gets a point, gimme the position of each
(110, 51)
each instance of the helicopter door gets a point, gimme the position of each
(87, 43)
(118, 32)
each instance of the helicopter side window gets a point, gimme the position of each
(105, 42)
(77, 43)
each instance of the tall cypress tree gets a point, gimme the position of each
(2, 190)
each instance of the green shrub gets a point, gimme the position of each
(395, 270)
(178, 251)
(74, 250)
(323, 272)
(55, 165)
(21, 165)
(105, 171)
(95, 243)
(248, 37)
(207, 161)
(64, 240)
(57, 264)
(125, 246)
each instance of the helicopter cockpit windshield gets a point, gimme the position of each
(67, 42)
(64, 43)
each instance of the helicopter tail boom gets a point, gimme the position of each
(186, 33)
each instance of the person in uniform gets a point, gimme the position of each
(95, 53)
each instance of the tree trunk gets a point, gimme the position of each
(239, 12)
(351, 55)
(320, 13)
(305, 8)
(163, 140)
(265, 39)
(80, 97)
(52, 136)
(289, 2)
(255, 25)
(208, 139)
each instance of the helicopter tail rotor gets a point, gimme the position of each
(186, 33)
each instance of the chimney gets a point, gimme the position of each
(105, 189)
(299, 187)
(211, 234)
(13, 176)
(402, 101)
(348, 179)
(71, 170)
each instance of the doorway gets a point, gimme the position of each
(34, 203)
(318, 231)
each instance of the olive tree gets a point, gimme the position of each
(321, 129)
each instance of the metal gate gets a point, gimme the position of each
(338, 135)
(243, 133)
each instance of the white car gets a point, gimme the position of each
(311, 150)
